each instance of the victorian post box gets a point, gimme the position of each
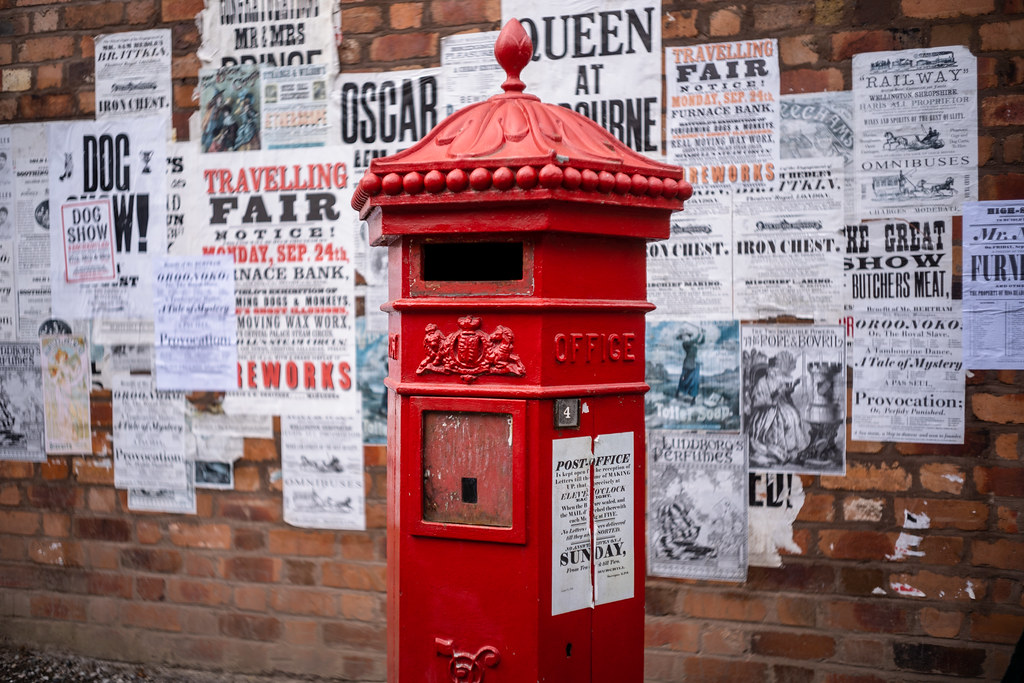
(516, 235)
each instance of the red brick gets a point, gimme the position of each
(945, 9)
(152, 560)
(12, 548)
(11, 469)
(151, 616)
(10, 494)
(249, 509)
(1008, 520)
(796, 611)
(198, 592)
(729, 606)
(94, 15)
(771, 18)
(1007, 408)
(102, 499)
(361, 19)
(845, 44)
(793, 645)
(17, 522)
(817, 578)
(301, 632)
(968, 515)
(54, 497)
(58, 607)
(1000, 481)
(179, 10)
(854, 678)
(723, 640)
(251, 598)
(252, 569)
(817, 508)
(1002, 36)
(354, 576)
(55, 467)
(250, 627)
(671, 634)
(148, 532)
(103, 529)
(45, 49)
(94, 470)
(405, 15)
(202, 566)
(940, 624)
(855, 545)
(117, 585)
(250, 539)
(867, 616)
(303, 543)
(938, 549)
(723, 670)
(200, 535)
(858, 509)
(300, 572)
(362, 606)
(152, 589)
(1004, 186)
(996, 628)
(140, 11)
(60, 553)
(375, 455)
(247, 478)
(456, 12)
(881, 477)
(940, 587)
(355, 635)
(680, 24)
(56, 524)
(400, 46)
(261, 450)
(103, 556)
(1007, 446)
(929, 658)
(942, 478)
(1003, 554)
(303, 601)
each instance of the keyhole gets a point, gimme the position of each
(568, 649)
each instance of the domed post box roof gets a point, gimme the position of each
(514, 149)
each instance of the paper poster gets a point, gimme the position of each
(181, 167)
(21, 403)
(775, 500)
(697, 505)
(108, 192)
(8, 298)
(469, 71)
(322, 472)
(7, 216)
(993, 285)
(214, 474)
(819, 125)
(614, 565)
(179, 500)
(149, 436)
(133, 74)
(599, 58)
(723, 110)
(571, 541)
(205, 424)
(794, 397)
(693, 369)
(282, 222)
(122, 359)
(788, 243)
(916, 125)
(229, 108)
(690, 274)
(372, 357)
(297, 109)
(269, 32)
(194, 323)
(66, 383)
(32, 227)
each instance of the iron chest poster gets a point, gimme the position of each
(916, 124)
(600, 58)
(697, 513)
(794, 397)
(108, 190)
(281, 221)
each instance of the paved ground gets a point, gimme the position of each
(19, 664)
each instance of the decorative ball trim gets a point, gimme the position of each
(549, 177)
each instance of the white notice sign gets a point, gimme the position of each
(570, 525)
(613, 517)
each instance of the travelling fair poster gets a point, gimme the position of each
(21, 403)
(794, 397)
(993, 285)
(283, 224)
(693, 369)
(916, 125)
(600, 58)
(108, 197)
(698, 507)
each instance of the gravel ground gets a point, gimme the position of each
(29, 666)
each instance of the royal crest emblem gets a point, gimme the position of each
(469, 351)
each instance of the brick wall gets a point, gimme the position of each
(235, 588)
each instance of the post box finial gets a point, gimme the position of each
(513, 50)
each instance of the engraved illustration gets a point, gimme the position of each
(469, 351)
(902, 187)
(930, 140)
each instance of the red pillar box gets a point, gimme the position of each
(516, 235)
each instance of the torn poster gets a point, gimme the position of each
(322, 471)
(775, 500)
(916, 125)
(21, 403)
(610, 50)
(794, 397)
(66, 383)
(229, 108)
(180, 500)
(469, 71)
(108, 188)
(194, 323)
(697, 505)
(993, 285)
(149, 436)
(693, 369)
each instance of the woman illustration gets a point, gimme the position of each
(777, 432)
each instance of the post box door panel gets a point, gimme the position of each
(469, 478)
